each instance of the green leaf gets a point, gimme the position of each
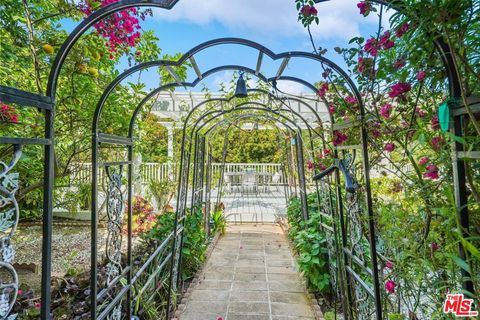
(456, 138)
(461, 263)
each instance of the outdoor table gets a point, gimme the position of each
(261, 177)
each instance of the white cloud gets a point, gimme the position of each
(277, 18)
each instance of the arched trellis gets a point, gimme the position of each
(47, 103)
(234, 120)
(248, 106)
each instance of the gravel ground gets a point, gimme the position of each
(70, 248)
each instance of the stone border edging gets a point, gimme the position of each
(186, 294)
(311, 296)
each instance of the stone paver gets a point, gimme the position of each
(252, 275)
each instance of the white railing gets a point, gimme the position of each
(165, 171)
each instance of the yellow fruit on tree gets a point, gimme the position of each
(93, 72)
(47, 48)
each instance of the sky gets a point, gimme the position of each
(272, 23)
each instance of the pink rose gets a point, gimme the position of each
(385, 110)
(389, 265)
(371, 47)
(436, 143)
(389, 147)
(308, 11)
(432, 172)
(310, 165)
(351, 100)
(339, 138)
(365, 8)
(423, 161)
(421, 75)
(390, 286)
(331, 108)
(399, 89)
(385, 41)
(323, 89)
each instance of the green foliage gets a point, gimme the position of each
(309, 244)
(194, 238)
(219, 222)
(162, 191)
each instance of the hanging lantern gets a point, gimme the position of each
(241, 90)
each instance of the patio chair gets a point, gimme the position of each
(249, 181)
(276, 180)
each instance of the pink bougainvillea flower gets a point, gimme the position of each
(20, 292)
(389, 265)
(386, 110)
(308, 11)
(390, 286)
(351, 100)
(365, 7)
(435, 246)
(323, 89)
(432, 172)
(402, 30)
(389, 147)
(339, 138)
(421, 75)
(436, 142)
(322, 167)
(435, 123)
(376, 133)
(37, 305)
(385, 41)
(331, 109)
(371, 47)
(219, 318)
(120, 29)
(423, 161)
(399, 89)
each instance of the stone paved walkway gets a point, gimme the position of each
(250, 275)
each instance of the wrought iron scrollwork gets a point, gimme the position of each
(9, 215)
(115, 213)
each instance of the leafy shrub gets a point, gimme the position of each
(219, 222)
(310, 245)
(194, 238)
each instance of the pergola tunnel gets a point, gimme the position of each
(313, 225)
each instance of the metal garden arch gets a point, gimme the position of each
(47, 105)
